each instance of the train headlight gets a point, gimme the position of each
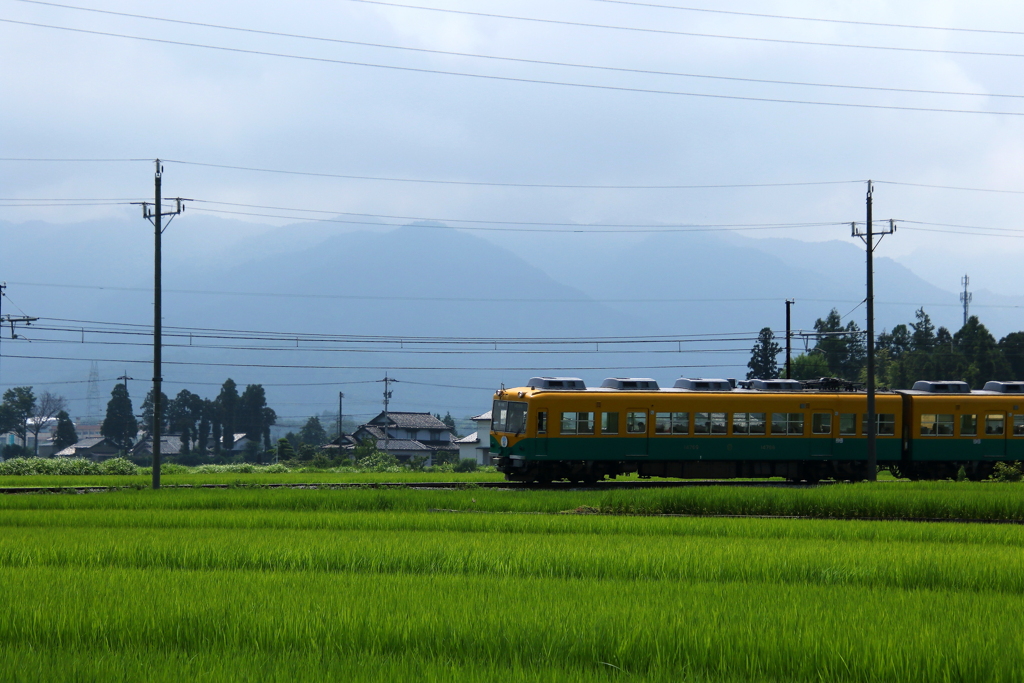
(504, 442)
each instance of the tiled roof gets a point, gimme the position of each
(440, 445)
(483, 416)
(411, 420)
(472, 438)
(401, 445)
(81, 445)
(169, 444)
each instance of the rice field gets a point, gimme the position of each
(484, 585)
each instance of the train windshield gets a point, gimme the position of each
(508, 416)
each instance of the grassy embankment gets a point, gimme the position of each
(268, 585)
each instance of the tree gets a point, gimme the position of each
(184, 414)
(147, 414)
(982, 355)
(809, 366)
(228, 402)
(120, 425)
(1013, 350)
(896, 342)
(205, 422)
(763, 364)
(450, 422)
(842, 346)
(923, 337)
(64, 434)
(313, 432)
(17, 410)
(284, 449)
(250, 411)
(46, 409)
(269, 420)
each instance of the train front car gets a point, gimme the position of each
(951, 427)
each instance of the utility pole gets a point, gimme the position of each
(868, 237)
(124, 378)
(789, 337)
(341, 396)
(387, 398)
(965, 297)
(155, 216)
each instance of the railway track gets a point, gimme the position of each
(440, 485)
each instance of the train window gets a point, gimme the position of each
(885, 424)
(709, 423)
(968, 425)
(672, 423)
(848, 424)
(636, 423)
(542, 422)
(748, 423)
(516, 417)
(936, 425)
(609, 423)
(821, 423)
(757, 422)
(577, 423)
(788, 423)
(994, 424)
(1018, 425)
(498, 413)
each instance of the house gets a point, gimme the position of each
(95, 448)
(170, 444)
(477, 446)
(406, 435)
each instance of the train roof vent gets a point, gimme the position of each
(701, 384)
(776, 385)
(943, 387)
(630, 384)
(1005, 387)
(556, 383)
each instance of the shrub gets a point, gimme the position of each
(118, 466)
(466, 465)
(379, 461)
(1008, 471)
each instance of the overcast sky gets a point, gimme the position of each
(82, 95)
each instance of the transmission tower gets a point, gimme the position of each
(965, 297)
(92, 396)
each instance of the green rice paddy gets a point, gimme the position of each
(487, 585)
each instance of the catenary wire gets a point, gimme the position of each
(514, 79)
(672, 32)
(788, 17)
(515, 59)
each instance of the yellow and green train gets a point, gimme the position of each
(555, 428)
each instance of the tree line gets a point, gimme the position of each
(908, 353)
(23, 413)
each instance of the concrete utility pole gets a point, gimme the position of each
(868, 236)
(341, 396)
(387, 398)
(789, 338)
(965, 297)
(155, 216)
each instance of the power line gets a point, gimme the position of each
(691, 34)
(592, 229)
(814, 19)
(949, 187)
(513, 59)
(513, 79)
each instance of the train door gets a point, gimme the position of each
(638, 429)
(993, 440)
(543, 425)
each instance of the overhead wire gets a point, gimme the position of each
(509, 59)
(515, 79)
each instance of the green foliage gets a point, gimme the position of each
(763, 362)
(1008, 471)
(147, 414)
(843, 348)
(64, 434)
(379, 461)
(320, 461)
(284, 449)
(67, 466)
(313, 432)
(466, 465)
(227, 408)
(13, 450)
(809, 366)
(17, 409)
(120, 425)
(307, 451)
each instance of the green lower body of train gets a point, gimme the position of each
(582, 458)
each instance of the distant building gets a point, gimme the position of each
(477, 446)
(170, 444)
(407, 435)
(95, 448)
